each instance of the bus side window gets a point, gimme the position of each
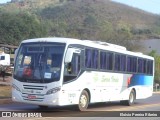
(69, 68)
(74, 66)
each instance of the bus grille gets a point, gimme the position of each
(33, 87)
(29, 93)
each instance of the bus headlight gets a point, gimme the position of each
(53, 90)
(15, 87)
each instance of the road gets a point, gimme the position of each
(150, 106)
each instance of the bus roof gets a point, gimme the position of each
(54, 39)
(89, 43)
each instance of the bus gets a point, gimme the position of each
(66, 71)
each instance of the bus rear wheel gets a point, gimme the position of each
(130, 101)
(83, 101)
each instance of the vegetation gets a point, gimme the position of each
(83, 19)
(16, 27)
(154, 54)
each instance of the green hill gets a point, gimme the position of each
(87, 19)
(96, 17)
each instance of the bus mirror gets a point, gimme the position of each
(69, 54)
(15, 54)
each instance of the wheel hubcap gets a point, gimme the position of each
(83, 101)
(131, 98)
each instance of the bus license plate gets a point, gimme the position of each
(31, 97)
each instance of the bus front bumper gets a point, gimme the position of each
(47, 100)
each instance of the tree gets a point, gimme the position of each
(90, 20)
(61, 1)
(154, 54)
(17, 27)
(124, 31)
(106, 32)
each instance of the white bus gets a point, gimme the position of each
(65, 71)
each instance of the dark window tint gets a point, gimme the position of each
(109, 58)
(117, 61)
(140, 65)
(150, 67)
(95, 59)
(131, 64)
(103, 60)
(88, 58)
(75, 64)
(123, 63)
(144, 66)
(91, 60)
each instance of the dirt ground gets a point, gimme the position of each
(5, 90)
(8, 77)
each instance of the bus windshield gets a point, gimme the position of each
(39, 62)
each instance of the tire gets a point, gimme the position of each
(131, 100)
(83, 101)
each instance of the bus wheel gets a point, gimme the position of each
(131, 100)
(83, 101)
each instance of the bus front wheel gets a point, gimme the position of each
(83, 101)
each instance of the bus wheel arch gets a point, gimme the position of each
(84, 100)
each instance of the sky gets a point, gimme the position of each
(4, 1)
(152, 6)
